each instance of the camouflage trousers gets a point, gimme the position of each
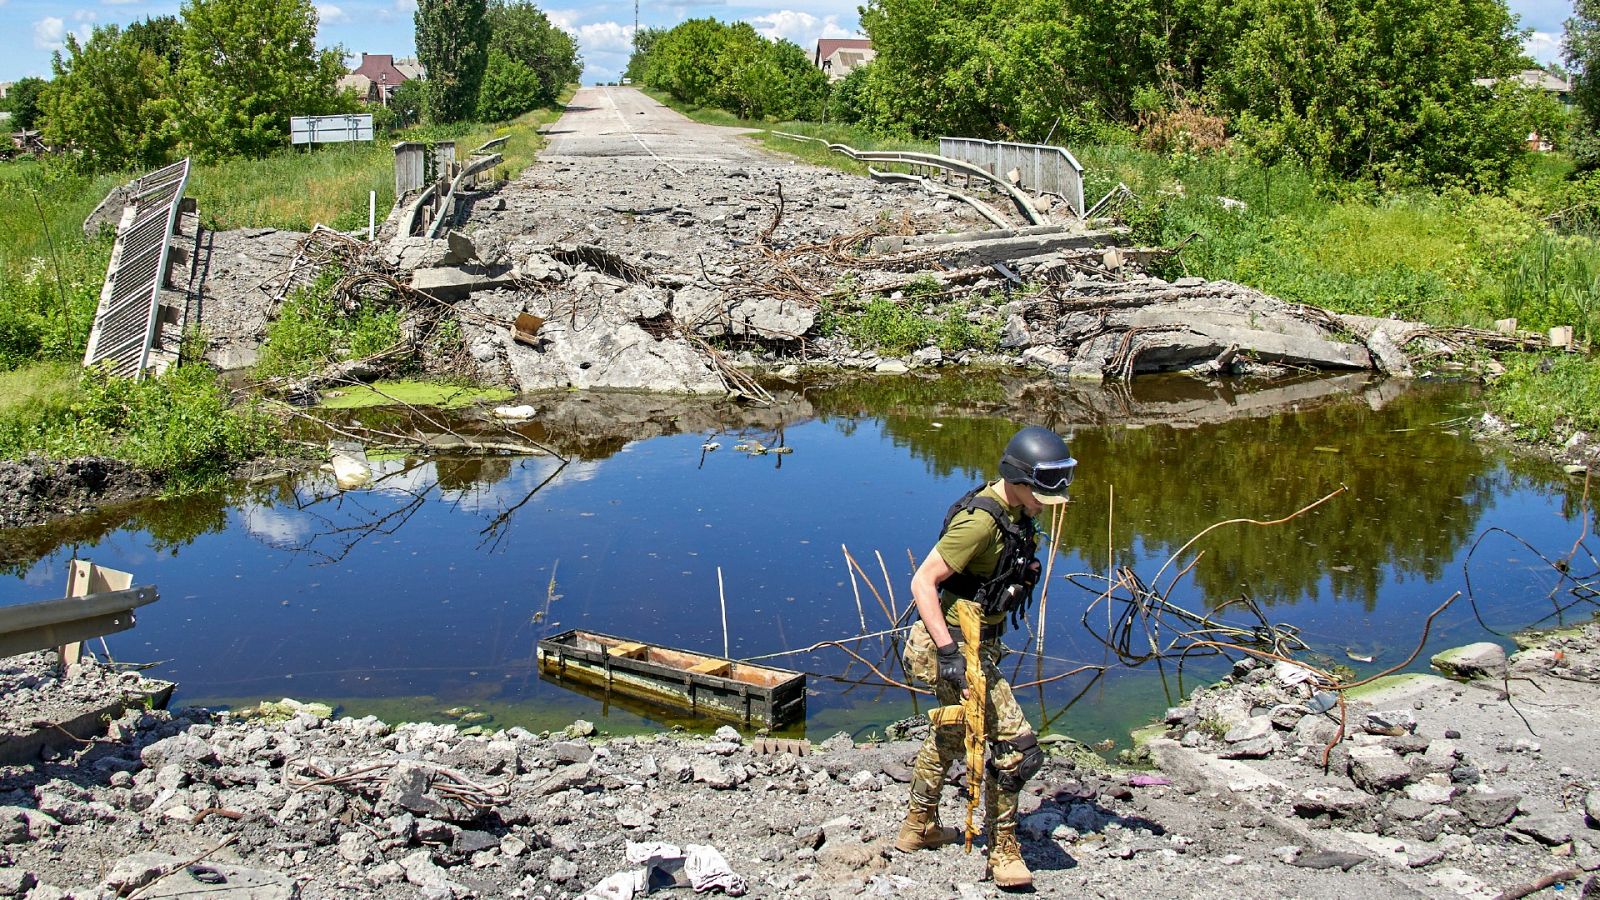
(1003, 721)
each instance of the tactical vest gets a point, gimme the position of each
(1008, 591)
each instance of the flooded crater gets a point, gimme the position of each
(424, 594)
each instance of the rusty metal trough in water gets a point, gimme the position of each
(703, 685)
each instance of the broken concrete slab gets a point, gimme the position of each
(456, 282)
(157, 875)
(1480, 660)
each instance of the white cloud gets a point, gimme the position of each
(606, 37)
(84, 16)
(274, 528)
(564, 19)
(798, 27)
(1543, 46)
(49, 33)
(328, 14)
(406, 6)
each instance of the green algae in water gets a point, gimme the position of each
(417, 393)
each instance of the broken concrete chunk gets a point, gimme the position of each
(1480, 660)
(566, 778)
(17, 882)
(1375, 769)
(1251, 729)
(1392, 722)
(1550, 830)
(456, 282)
(1487, 810)
(1333, 802)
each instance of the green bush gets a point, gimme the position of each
(180, 425)
(890, 327)
(313, 330)
(1548, 397)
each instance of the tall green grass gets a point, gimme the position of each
(50, 274)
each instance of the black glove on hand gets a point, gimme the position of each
(953, 666)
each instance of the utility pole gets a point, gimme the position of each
(636, 20)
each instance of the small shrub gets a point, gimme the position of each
(313, 330)
(1182, 130)
(181, 425)
(890, 327)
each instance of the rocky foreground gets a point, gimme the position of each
(1441, 788)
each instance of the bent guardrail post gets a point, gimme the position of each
(47, 624)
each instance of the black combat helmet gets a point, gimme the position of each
(1038, 458)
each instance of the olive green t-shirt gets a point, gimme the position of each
(972, 544)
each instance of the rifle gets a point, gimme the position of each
(972, 706)
(969, 712)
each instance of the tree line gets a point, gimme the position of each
(223, 78)
(709, 63)
(1407, 92)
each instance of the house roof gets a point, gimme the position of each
(1539, 78)
(409, 67)
(380, 68)
(1533, 78)
(827, 46)
(361, 83)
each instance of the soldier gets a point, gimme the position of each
(986, 555)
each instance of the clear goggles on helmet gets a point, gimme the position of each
(1051, 477)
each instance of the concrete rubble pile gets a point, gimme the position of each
(299, 803)
(640, 282)
(1464, 782)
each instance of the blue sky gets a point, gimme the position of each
(603, 28)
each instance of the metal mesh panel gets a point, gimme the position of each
(126, 320)
(1042, 169)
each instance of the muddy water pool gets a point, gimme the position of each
(423, 595)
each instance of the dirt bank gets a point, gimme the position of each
(36, 489)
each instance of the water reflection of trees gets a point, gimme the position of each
(171, 524)
(1417, 491)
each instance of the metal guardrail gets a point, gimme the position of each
(417, 163)
(51, 623)
(130, 300)
(470, 172)
(1044, 169)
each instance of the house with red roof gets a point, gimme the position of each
(379, 76)
(837, 56)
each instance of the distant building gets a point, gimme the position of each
(5, 89)
(1536, 78)
(410, 68)
(837, 56)
(379, 76)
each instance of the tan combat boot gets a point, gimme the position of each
(921, 830)
(1005, 861)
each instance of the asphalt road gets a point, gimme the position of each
(613, 122)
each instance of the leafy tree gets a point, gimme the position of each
(105, 102)
(509, 89)
(847, 97)
(1389, 91)
(1580, 48)
(405, 104)
(525, 35)
(709, 63)
(161, 35)
(26, 98)
(246, 67)
(643, 40)
(452, 44)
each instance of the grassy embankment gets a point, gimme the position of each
(184, 425)
(1445, 258)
